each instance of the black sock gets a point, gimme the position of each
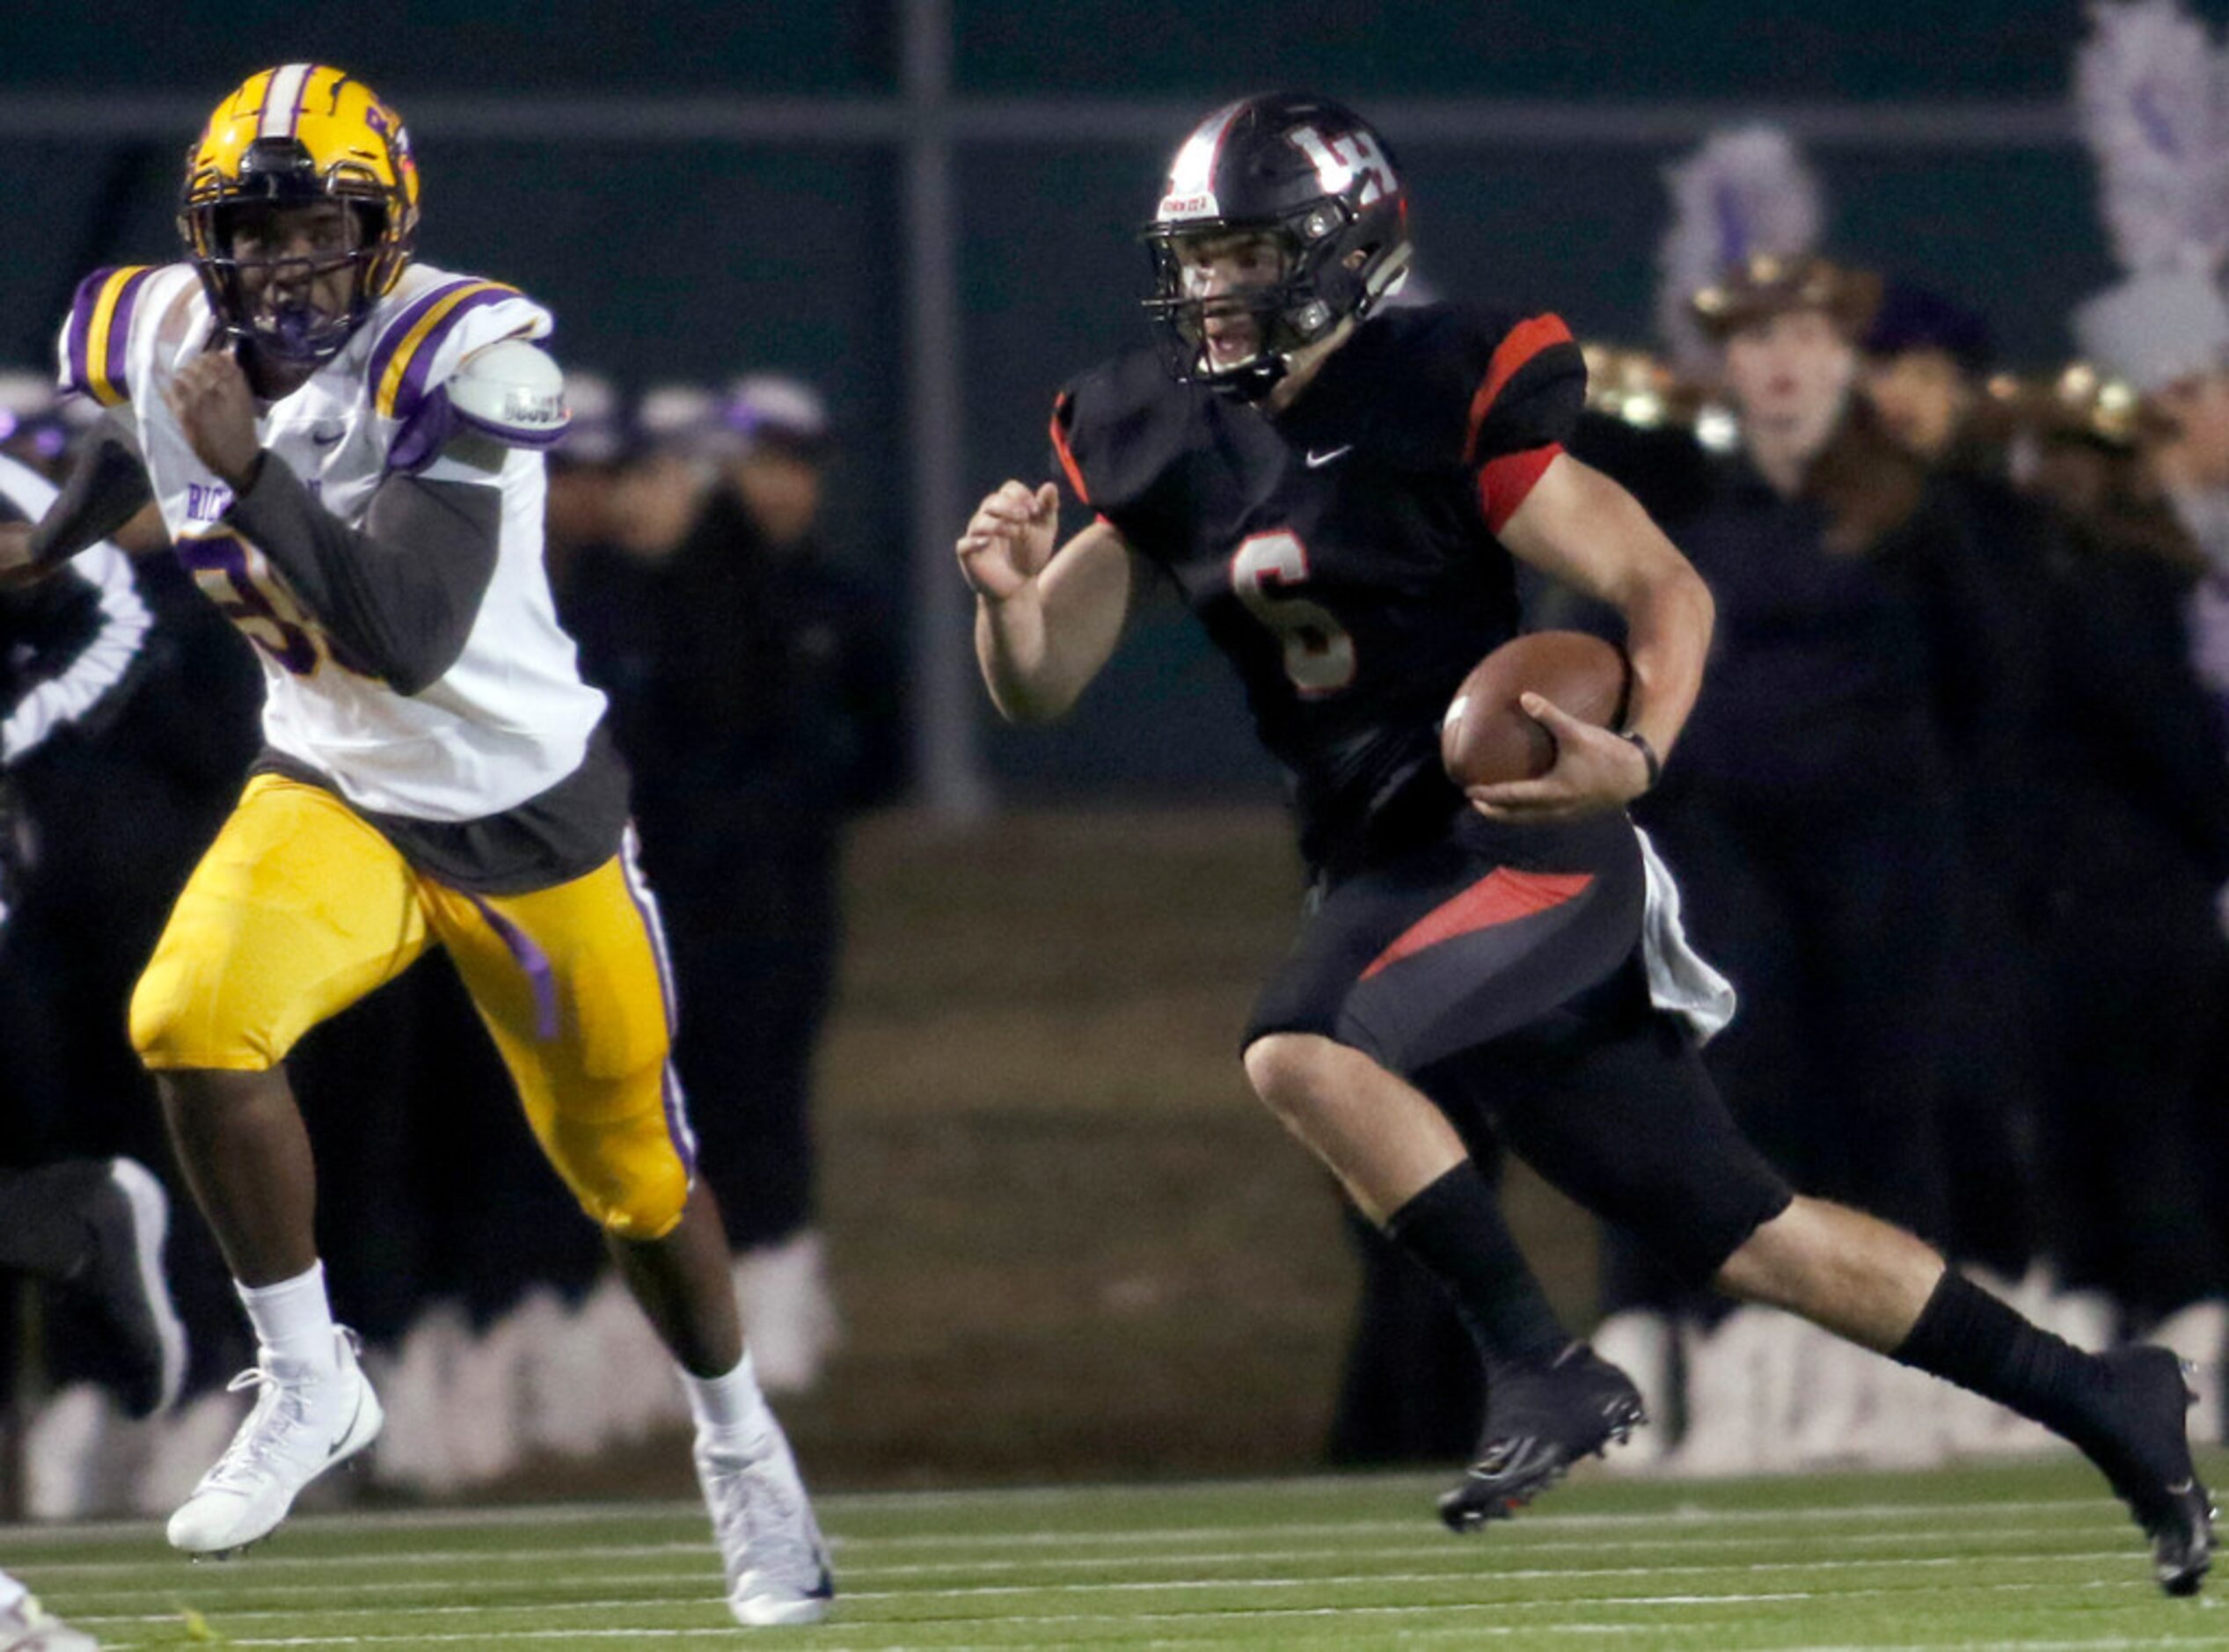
(1967, 1336)
(44, 1228)
(1454, 1229)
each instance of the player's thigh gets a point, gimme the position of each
(298, 910)
(571, 982)
(1462, 941)
(1609, 1101)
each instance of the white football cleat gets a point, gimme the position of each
(26, 1626)
(776, 1562)
(304, 1421)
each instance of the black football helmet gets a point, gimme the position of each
(1311, 173)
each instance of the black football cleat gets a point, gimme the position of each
(1539, 1420)
(2141, 1439)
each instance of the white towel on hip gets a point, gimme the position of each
(1680, 981)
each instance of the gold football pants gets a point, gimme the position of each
(300, 907)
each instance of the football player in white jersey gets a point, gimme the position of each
(345, 448)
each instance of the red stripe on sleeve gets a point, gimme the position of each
(1525, 341)
(1503, 483)
(1068, 459)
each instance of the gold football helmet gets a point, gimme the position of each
(291, 137)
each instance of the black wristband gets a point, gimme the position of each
(1640, 742)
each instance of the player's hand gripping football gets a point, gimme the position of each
(215, 409)
(1008, 539)
(1594, 770)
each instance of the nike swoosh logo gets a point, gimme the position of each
(326, 438)
(348, 1428)
(1316, 461)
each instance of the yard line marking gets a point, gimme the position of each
(1357, 1580)
(834, 1507)
(2114, 1643)
(248, 1574)
(1532, 1531)
(699, 1559)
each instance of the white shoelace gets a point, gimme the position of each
(760, 1521)
(281, 1412)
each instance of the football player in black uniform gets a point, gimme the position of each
(1337, 488)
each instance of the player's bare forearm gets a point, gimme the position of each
(1669, 617)
(1010, 646)
(1583, 529)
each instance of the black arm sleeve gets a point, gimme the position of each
(399, 594)
(105, 488)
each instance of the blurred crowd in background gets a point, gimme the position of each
(1953, 813)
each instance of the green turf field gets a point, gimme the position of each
(2033, 1556)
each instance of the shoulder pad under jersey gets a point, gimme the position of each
(513, 392)
(1121, 429)
(1526, 382)
(424, 329)
(1449, 385)
(421, 337)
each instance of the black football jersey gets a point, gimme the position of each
(1341, 552)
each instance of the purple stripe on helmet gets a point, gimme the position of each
(120, 329)
(82, 303)
(413, 388)
(531, 958)
(401, 328)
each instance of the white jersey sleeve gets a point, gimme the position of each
(421, 343)
(108, 316)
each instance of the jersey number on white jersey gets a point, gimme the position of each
(233, 574)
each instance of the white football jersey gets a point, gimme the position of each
(511, 716)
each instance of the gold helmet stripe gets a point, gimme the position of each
(282, 101)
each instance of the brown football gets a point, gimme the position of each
(1485, 739)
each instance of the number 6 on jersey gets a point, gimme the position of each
(1319, 655)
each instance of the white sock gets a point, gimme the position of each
(11, 1592)
(292, 1318)
(728, 1404)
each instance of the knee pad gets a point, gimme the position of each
(179, 1021)
(630, 1169)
